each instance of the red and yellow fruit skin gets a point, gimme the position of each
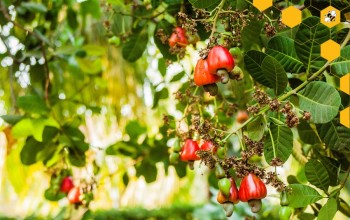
(220, 58)
(202, 76)
(221, 198)
(178, 37)
(74, 195)
(251, 188)
(233, 197)
(188, 152)
(67, 184)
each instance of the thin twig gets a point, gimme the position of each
(216, 18)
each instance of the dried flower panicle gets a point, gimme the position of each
(203, 53)
(177, 49)
(162, 36)
(166, 120)
(207, 158)
(306, 116)
(275, 105)
(270, 30)
(276, 162)
(187, 23)
(292, 119)
(254, 147)
(272, 179)
(253, 109)
(261, 97)
(241, 167)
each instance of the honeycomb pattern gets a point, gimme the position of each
(262, 5)
(345, 84)
(291, 16)
(330, 16)
(345, 117)
(330, 50)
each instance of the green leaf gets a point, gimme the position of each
(125, 179)
(72, 19)
(266, 70)
(134, 48)
(162, 66)
(301, 195)
(34, 7)
(53, 195)
(90, 65)
(282, 49)
(91, 7)
(73, 132)
(321, 100)
(167, 29)
(306, 133)
(30, 150)
(12, 119)
(38, 127)
(341, 66)
(318, 5)
(178, 76)
(148, 170)
(134, 129)
(32, 104)
(308, 39)
(123, 148)
(279, 141)
(181, 169)
(76, 157)
(317, 174)
(332, 167)
(158, 95)
(250, 35)
(23, 128)
(275, 74)
(329, 210)
(121, 24)
(256, 128)
(335, 136)
(204, 3)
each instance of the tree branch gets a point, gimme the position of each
(292, 92)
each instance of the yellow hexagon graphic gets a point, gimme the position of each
(330, 50)
(291, 16)
(330, 16)
(262, 5)
(345, 117)
(345, 84)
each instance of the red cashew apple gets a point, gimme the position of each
(74, 195)
(252, 190)
(209, 146)
(202, 77)
(220, 62)
(188, 152)
(178, 37)
(67, 184)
